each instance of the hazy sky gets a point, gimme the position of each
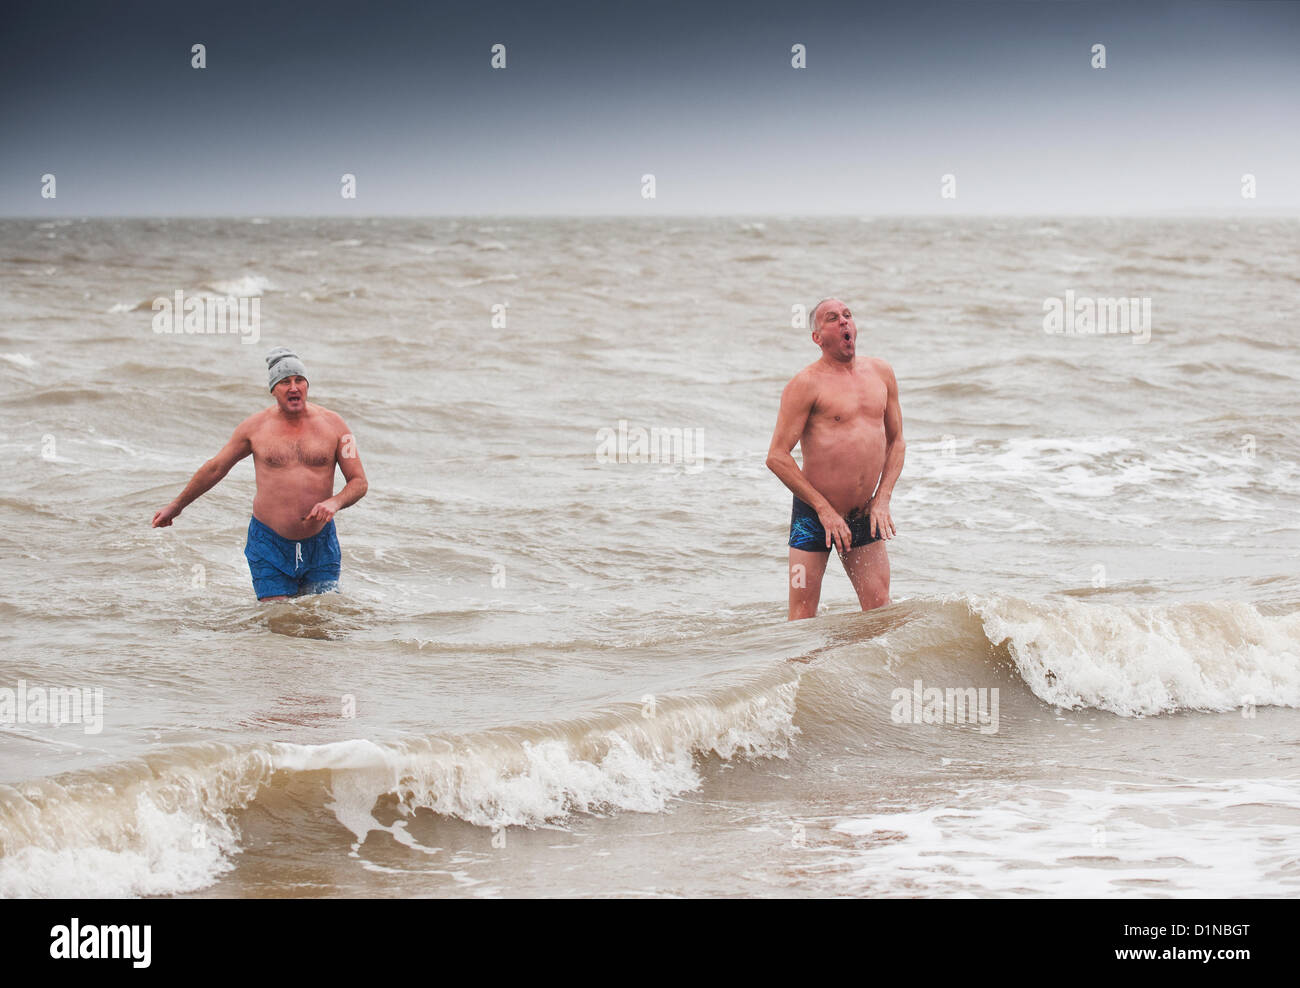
(595, 95)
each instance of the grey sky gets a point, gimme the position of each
(1000, 95)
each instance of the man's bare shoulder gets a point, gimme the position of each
(803, 386)
(257, 420)
(332, 421)
(808, 377)
(881, 369)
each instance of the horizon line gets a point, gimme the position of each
(1288, 212)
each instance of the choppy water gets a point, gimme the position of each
(553, 675)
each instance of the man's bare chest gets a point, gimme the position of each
(311, 450)
(856, 402)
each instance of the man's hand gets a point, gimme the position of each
(837, 529)
(880, 523)
(162, 518)
(323, 511)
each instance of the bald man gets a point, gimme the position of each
(843, 412)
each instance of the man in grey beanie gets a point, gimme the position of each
(292, 547)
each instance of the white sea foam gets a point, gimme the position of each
(1141, 660)
(1111, 479)
(173, 832)
(245, 286)
(498, 780)
(169, 852)
(135, 833)
(1194, 838)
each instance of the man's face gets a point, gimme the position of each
(835, 332)
(291, 394)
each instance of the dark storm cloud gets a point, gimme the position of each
(401, 95)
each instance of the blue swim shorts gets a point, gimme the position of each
(808, 534)
(284, 568)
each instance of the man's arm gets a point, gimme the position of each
(207, 476)
(796, 406)
(349, 462)
(881, 522)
